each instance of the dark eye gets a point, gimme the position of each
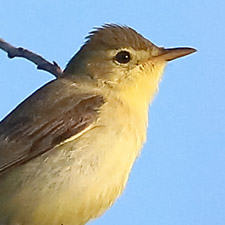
(123, 57)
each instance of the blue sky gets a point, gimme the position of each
(179, 179)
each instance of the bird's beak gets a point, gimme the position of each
(168, 54)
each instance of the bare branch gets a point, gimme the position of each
(42, 64)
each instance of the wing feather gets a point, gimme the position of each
(51, 115)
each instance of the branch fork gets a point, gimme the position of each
(42, 64)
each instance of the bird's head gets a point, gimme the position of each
(119, 57)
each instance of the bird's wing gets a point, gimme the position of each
(51, 115)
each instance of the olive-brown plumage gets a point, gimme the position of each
(66, 151)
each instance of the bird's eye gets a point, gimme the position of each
(122, 57)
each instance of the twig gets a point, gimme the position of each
(42, 64)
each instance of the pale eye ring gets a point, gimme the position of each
(122, 57)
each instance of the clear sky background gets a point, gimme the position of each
(179, 179)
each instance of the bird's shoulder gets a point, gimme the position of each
(55, 112)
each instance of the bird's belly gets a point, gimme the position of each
(72, 183)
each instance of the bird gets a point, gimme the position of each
(66, 151)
